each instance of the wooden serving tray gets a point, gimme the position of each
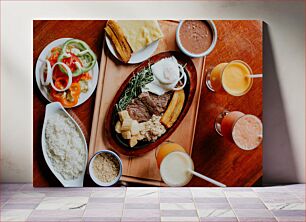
(141, 169)
(189, 90)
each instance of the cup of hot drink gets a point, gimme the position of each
(196, 38)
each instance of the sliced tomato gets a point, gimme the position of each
(74, 91)
(60, 79)
(61, 82)
(68, 104)
(70, 61)
(77, 78)
(56, 49)
(54, 55)
(84, 76)
(56, 96)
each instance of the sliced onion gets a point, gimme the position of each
(49, 73)
(83, 52)
(184, 77)
(66, 55)
(69, 73)
(78, 65)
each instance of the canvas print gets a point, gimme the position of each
(147, 103)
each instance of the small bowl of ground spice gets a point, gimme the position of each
(105, 168)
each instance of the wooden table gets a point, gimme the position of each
(212, 154)
(92, 32)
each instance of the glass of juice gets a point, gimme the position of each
(232, 78)
(174, 163)
(245, 130)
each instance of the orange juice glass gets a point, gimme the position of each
(232, 78)
(166, 148)
(245, 130)
(174, 164)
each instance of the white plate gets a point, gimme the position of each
(137, 57)
(39, 65)
(51, 109)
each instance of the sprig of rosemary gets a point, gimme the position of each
(133, 89)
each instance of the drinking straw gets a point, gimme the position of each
(206, 178)
(255, 76)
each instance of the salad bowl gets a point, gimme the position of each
(41, 65)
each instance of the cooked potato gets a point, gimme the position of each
(133, 141)
(126, 124)
(142, 126)
(126, 135)
(135, 128)
(118, 127)
(124, 115)
(139, 136)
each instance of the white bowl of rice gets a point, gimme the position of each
(64, 146)
(105, 168)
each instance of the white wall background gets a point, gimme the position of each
(284, 61)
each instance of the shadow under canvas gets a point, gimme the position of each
(278, 160)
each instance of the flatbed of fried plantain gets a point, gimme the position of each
(119, 41)
(174, 109)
